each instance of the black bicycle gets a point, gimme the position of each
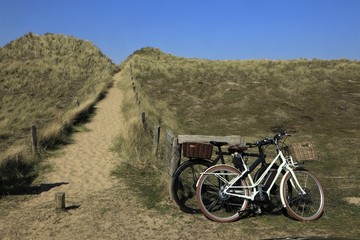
(184, 179)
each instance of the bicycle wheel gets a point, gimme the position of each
(303, 207)
(213, 201)
(183, 184)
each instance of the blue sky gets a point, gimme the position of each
(211, 29)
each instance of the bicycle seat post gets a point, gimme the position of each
(219, 149)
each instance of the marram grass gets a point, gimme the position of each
(315, 100)
(48, 81)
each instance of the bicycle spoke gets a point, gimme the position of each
(183, 184)
(195, 174)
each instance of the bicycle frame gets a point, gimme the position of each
(286, 164)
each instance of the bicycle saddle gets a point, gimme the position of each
(218, 144)
(237, 148)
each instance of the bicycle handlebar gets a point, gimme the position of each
(267, 140)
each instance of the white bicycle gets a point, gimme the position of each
(225, 193)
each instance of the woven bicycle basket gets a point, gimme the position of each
(197, 150)
(302, 151)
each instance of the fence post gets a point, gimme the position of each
(59, 201)
(137, 97)
(143, 120)
(172, 152)
(34, 139)
(172, 155)
(168, 142)
(175, 157)
(156, 139)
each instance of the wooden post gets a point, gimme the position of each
(169, 141)
(60, 201)
(172, 152)
(175, 156)
(175, 160)
(143, 120)
(156, 139)
(34, 139)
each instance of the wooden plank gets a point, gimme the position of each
(231, 139)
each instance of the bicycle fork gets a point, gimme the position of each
(294, 184)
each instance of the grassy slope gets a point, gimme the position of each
(41, 77)
(313, 99)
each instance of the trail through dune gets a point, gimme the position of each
(85, 166)
(99, 206)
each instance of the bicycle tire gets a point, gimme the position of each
(183, 184)
(303, 207)
(213, 202)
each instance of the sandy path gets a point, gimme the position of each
(85, 166)
(82, 170)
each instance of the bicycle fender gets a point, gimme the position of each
(282, 197)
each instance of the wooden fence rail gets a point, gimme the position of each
(232, 139)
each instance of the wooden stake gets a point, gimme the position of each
(34, 139)
(143, 120)
(60, 201)
(156, 139)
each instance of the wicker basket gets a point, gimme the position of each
(302, 151)
(197, 150)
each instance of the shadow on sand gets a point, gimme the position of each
(32, 190)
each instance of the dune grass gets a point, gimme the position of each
(50, 81)
(315, 100)
(134, 145)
